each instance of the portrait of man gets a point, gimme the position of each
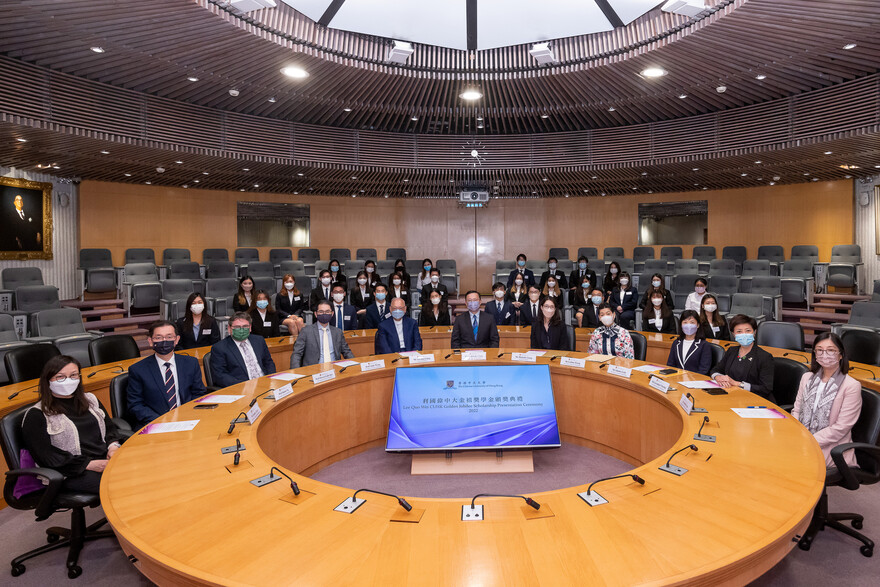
(21, 217)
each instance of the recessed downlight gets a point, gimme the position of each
(545, 116)
(828, 152)
(682, 96)
(850, 46)
(97, 49)
(346, 109)
(21, 140)
(611, 109)
(760, 76)
(471, 94)
(653, 72)
(192, 78)
(295, 72)
(104, 152)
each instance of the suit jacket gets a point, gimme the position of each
(404, 295)
(698, 358)
(287, 308)
(428, 289)
(361, 301)
(21, 234)
(574, 279)
(560, 278)
(227, 364)
(526, 317)
(758, 365)
(556, 337)
(845, 410)
(528, 277)
(645, 302)
(426, 318)
(627, 302)
(208, 335)
(463, 332)
(317, 295)
(146, 387)
(373, 318)
(723, 332)
(388, 342)
(667, 327)
(591, 317)
(307, 348)
(503, 312)
(349, 317)
(266, 328)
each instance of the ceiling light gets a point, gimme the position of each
(653, 72)
(179, 162)
(847, 176)
(148, 182)
(386, 195)
(256, 185)
(20, 140)
(127, 174)
(545, 116)
(595, 177)
(196, 180)
(760, 76)
(295, 72)
(479, 118)
(101, 49)
(346, 109)
(56, 167)
(354, 176)
(758, 162)
(241, 189)
(772, 183)
(849, 46)
(828, 152)
(815, 179)
(193, 78)
(807, 174)
(743, 174)
(105, 152)
(300, 174)
(185, 185)
(543, 179)
(204, 173)
(775, 178)
(453, 181)
(695, 169)
(234, 93)
(644, 173)
(272, 99)
(543, 54)
(705, 188)
(414, 118)
(586, 191)
(471, 94)
(566, 195)
(400, 51)
(480, 126)
(721, 89)
(245, 168)
(406, 193)
(611, 109)
(405, 180)
(682, 96)
(160, 170)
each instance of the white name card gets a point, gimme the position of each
(473, 356)
(253, 413)
(373, 365)
(572, 362)
(524, 357)
(659, 384)
(620, 371)
(283, 391)
(323, 376)
(418, 359)
(686, 404)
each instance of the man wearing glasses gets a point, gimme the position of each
(164, 381)
(320, 342)
(241, 356)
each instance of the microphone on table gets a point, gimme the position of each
(501, 355)
(594, 499)
(253, 401)
(395, 360)
(344, 368)
(672, 468)
(695, 410)
(234, 422)
(237, 452)
(528, 500)
(403, 503)
(851, 367)
(705, 421)
(293, 485)
(14, 395)
(281, 339)
(449, 355)
(92, 374)
(604, 364)
(554, 357)
(806, 361)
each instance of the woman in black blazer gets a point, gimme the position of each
(712, 324)
(336, 274)
(428, 317)
(690, 351)
(658, 310)
(290, 303)
(370, 270)
(205, 333)
(361, 296)
(549, 332)
(264, 319)
(747, 365)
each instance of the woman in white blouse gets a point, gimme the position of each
(696, 296)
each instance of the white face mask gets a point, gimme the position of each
(64, 388)
(499, 294)
(338, 297)
(700, 289)
(624, 281)
(827, 361)
(710, 307)
(518, 282)
(435, 301)
(613, 271)
(607, 320)
(247, 286)
(362, 281)
(326, 280)
(370, 269)
(552, 266)
(288, 286)
(435, 278)
(396, 282)
(549, 313)
(655, 283)
(197, 308)
(551, 284)
(657, 301)
(534, 296)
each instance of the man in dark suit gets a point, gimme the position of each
(581, 268)
(241, 356)
(344, 315)
(474, 329)
(435, 285)
(590, 318)
(320, 342)
(552, 264)
(378, 311)
(22, 228)
(501, 309)
(528, 274)
(163, 381)
(322, 291)
(528, 312)
(399, 334)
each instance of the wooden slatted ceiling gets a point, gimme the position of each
(153, 46)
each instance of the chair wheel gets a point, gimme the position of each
(867, 551)
(805, 543)
(52, 538)
(74, 572)
(857, 524)
(18, 570)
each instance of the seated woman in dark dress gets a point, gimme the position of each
(83, 437)
(690, 351)
(435, 312)
(712, 324)
(197, 327)
(747, 366)
(549, 332)
(657, 317)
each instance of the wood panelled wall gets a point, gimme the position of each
(120, 216)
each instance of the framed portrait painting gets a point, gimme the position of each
(25, 219)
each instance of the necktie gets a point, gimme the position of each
(325, 345)
(381, 310)
(170, 394)
(250, 361)
(326, 293)
(534, 310)
(476, 327)
(339, 316)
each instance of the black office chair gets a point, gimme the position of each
(861, 346)
(119, 405)
(209, 375)
(46, 501)
(717, 354)
(787, 376)
(782, 335)
(27, 362)
(640, 345)
(112, 348)
(865, 435)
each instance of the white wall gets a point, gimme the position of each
(865, 230)
(59, 271)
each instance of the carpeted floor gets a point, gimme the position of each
(834, 559)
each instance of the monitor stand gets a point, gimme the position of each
(472, 462)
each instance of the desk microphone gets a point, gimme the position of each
(281, 339)
(851, 366)
(234, 422)
(293, 484)
(449, 355)
(605, 363)
(14, 395)
(806, 361)
(694, 409)
(501, 355)
(395, 360)
(403, 503)
(237, 453)
(553, 358)
(92, 374)
(705, 421)
(635, 478)
(528, 500)
(674, 469)
(344, 368)
(253, 401)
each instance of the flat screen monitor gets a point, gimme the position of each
(472, 407)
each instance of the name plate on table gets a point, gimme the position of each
(686, 404)
(418, 359)
(620, 371)
(253, 413)
(473, 356)
(659, 384)
(283, 391)
(323, 376)
(572, 362)
(373, 365)
(523, 357)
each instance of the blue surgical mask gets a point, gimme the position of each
(596, 300)
(521, 263)
(262, 304)
(334, 268)
(582, 265)
(745, 339)
(380, 296)
(586, 285)
(473, 306)
(398, 314)
(427, 268)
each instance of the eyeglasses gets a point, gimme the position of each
(63, 378)
(827, 353)
(323, 313)
(169, 337)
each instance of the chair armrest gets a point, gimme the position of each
(787, 407)
(38, 339)
(44, 508)
(848, 480)
(97, 333)
(308, 316)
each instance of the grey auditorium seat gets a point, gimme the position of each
(843, 269)
(65, 329)
(244, 257)
(748, 304)
(210, 255)
(221, 269)
(683, 285)
(364, 254)
(261, 269)
(738, 254)
(704, 255)
(8, 340)
(722, 267)
(218, 295)
(187, 270)
(97, 274)
(640, 255)
(172, 256)
(293, 267)
(393, 253)
(798, 284)
(30, 299)
(279, 256)
(559, 252)
(807, 252)
(723, 287)
(142, 287)
(690, 266)
(140, 256)
(781, 335)
(591, 253)
(341, 255)
(773, 253)
(752, 268)
(771, 288)
(14, 277)
(671, 254)
(174, 295)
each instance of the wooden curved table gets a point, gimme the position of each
(186, 519)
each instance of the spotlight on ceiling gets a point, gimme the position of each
(251, 5)
(295, 72)
(97, 49)
(400, 51)
(653, 72)
(721, 89)
(543, 54)
(471, 94)
(234, 93)
(689, 8)
(850, 46)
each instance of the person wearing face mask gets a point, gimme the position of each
(398, 288)
(530, 311)
(344, 315)
(405, 280)
(712, 324)
(322, 291)
(370, 269)
(610, 338)
(612, 279)
(197, 327)
(527, 274)
(290, 303)
(696, 296)
(474, 329)
(548, 332)
(264, 318)
(747, 366)
(243, 301)
(624, 298)
(163, 381)
(518, 294)
(554, 272)
(658, 317)
(83, 437)
(590, 316)
(432, 286)
(657, 284)
(398, 335)
(553, 291)
(241, 356)
(320, 342)
(435, 312)
(336, 275)
(361, 296)
(379, 310)
(690, 351)
(580, 299)
(828, 400)
(424, 277)
(501, 309)
(581, 270)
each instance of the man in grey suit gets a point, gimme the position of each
(321, 342)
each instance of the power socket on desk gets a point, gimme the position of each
(350, 505)
(471, 514)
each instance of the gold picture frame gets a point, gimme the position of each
(25, 219)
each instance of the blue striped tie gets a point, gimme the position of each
(169, 387)
(476, 327)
